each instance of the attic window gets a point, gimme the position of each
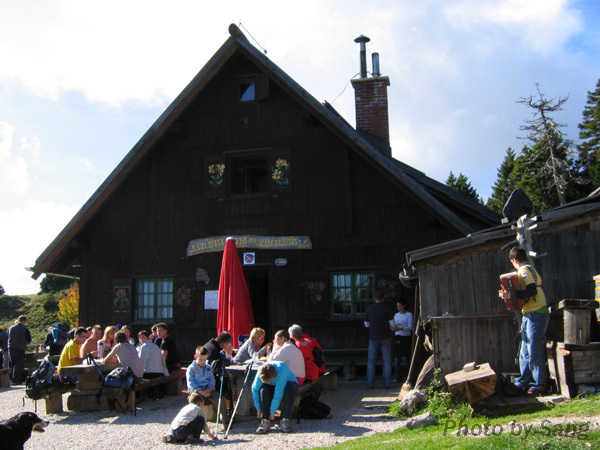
(252, 88)
(246, 91)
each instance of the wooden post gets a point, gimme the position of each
(5, 377)
(576, 319)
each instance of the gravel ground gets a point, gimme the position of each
(356, 412)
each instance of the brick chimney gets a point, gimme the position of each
(371, 99)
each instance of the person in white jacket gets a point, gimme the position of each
(151, 356)
(284, 350)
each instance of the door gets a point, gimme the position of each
(257, 279)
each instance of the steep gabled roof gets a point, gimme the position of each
(456, 211)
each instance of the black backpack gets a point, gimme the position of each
(311, 407)
(38, 383)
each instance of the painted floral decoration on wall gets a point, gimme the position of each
(183, 296)
(215, 174)
(121, 300)
(202, 275)
(280, 172)
(316, 290)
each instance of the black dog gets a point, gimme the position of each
(15, 431)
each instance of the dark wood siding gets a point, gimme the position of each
(356, 216)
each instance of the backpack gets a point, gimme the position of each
(318, 357)
(311, 407)
(121, 378)
(38, 383)
(60, 333)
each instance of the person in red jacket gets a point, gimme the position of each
(314, 360)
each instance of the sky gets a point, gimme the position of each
(82, 81)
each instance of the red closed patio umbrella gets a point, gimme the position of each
(235, 310)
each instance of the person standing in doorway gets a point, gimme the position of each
(379, 319)
(403, 325)
(18, 338)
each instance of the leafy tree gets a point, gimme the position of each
(53, 283)
(68, 306)
(550, 152)
(589, 150)
(462, 185)
(505, 182)
(2, 292)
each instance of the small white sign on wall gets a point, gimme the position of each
(249, 258)
(211, 299)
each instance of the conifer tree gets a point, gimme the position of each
(462, 185)
(589, 149)
(505, 182)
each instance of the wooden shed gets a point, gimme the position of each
(459, 282)
(321, 212)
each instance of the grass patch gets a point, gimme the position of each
(502, 428)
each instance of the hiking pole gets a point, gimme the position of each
(248, 370)
(220, 397)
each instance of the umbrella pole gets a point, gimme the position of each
(248, 370)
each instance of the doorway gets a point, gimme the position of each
(257, 279)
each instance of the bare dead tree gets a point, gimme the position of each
(545, 133)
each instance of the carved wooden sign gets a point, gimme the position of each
(217, 243)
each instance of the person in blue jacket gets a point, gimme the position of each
(274, 388)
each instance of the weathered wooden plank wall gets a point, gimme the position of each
(458, 289)
(460, 340)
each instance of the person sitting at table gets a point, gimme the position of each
(251, 346)
(53, 349)
(220, 350)
(314, 361)
(126, 354)
(223, 341)
(275, 387)
(284, 350)
(154, 363)
(168, 347)
(127, 330)
(70, 354)
(107, 342)
(91, 344)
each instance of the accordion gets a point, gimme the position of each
(510, 282)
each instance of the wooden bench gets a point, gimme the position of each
(173, 381)
(53, 398)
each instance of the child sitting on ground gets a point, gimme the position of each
(201, 380)
(189, 423)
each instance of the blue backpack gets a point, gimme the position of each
(60, 334)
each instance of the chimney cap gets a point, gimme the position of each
(362, 38)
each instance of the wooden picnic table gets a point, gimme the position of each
(89, 383)
(237, 372)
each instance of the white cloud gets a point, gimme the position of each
(31, 144)
(542, 25)
(85, 163)
(14, 178)
(23, 239)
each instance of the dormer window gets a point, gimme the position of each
(251, 88)
(246, 91)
